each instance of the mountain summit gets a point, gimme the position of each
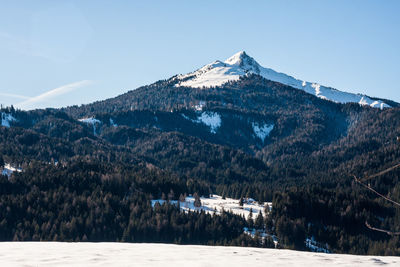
(240, 64)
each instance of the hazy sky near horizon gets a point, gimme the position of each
(58, 53)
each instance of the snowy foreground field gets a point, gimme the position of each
(125, 254)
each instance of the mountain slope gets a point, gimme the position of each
(240, 64)
(247, 137)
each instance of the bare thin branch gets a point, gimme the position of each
(381, 230)
(380, 173)
(376, 192)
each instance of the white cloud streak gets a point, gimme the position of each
(15, 96)
(33, 102)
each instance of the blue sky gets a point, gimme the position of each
(57, 53)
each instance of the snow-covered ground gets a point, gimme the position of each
(6, 119)
(263, 234)
(208, 118)
(262, 130)
(240, 64)
(58, 254)
(8, 169)
(112, 123)
(200, 106)
(211, 119)
(217, 203)
(91, 121)
(313, 245)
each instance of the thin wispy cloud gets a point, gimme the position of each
(34, 102)
(15, 96)
(15, 43)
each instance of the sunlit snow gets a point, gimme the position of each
(200, 106)
(56, 254)
(211, 119)
(216, 204)
(9, 169)
(90, 120)
(240, 64)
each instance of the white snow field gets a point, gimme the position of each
(56, 254)
(211, 119)
(208, 118)
(240, 64)
(217, 204)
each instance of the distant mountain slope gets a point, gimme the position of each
(240, 64)
(247, 114)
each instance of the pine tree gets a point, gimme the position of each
(250, 221)
(259, 223)
(171, 195)
(182, 198)
(241, 201)
(197, 201)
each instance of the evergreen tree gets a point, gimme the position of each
(250, 221)
(259, 222)
(197, 201)
(241, 202)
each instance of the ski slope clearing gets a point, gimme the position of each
(240, 64)
(216, 204)
(58, 254)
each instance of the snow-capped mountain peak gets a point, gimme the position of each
(244, 61)
(237, 58)
(241, 64)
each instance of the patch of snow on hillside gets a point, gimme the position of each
(263, 130)
(6, 118)
(216, 204)
(211, 119)
(200, 106)
(91, 121)
(112, 123)
(8, 169)
(314, 246)
(240, 64)
(252, 232)
(187, 118)
(59, 254)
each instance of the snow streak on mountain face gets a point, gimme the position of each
(240, 64)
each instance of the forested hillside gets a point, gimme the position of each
(89, 172)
